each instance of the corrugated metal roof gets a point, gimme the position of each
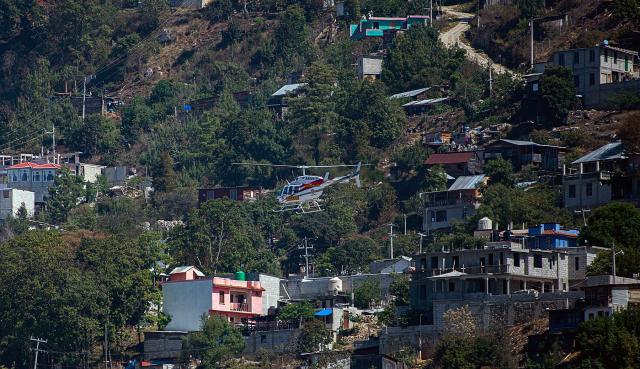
(184, 269)
(411, 93)
(288, 88)
(467, 182)
(450, 158)
(426, 102)
(526, 143)
(610, 151)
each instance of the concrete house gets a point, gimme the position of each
(369, 67)
(458, 203)
(590, 182)
(12, 199)
(521, 153)
(378, 26)
(193, 4)
(33, 177)
(496, 274)
(551, 236)
(188, 296)
(606, 294)
(599, 72)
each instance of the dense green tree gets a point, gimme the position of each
(400, 289)
(97, 135)
(217, 342)
(366, 293)
(610, 343)
(292, 35)
(312, 116)
(351, 257)
(471, 353)
(314, 336)
(65, 193)
(557, 96)
(615, 222)
(500, 171)
(296, 311)
(418, 59)
(223, 236)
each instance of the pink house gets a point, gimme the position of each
(188, 296)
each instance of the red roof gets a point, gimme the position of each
(450, 158)
(551, 232)
(31, 165)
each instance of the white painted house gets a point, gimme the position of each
(12, 199)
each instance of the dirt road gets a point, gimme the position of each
(455, 36)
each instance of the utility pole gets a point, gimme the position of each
(391, 236)
(490, 80)
(583, 211)
(422, 235)
(613, 264)
(84, 94)
(53, 135)
(306, 256)
(478, 15)
(405, 223)
(531, 35)
(38, 341)
(431, 12)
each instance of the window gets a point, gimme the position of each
(25, 177)
(550, 262)
(535, 87)
(600, 313)
(221, 297)
(36, 176)
(263, 338)
(577, 263)
(572, 191)
(434, 262)
(615, 57)
(576, 81)
(50, 176)
(452, 286)
(5, 194)
(233, 194)
(537, 261)
(591, 316)
(441, 216)
(592, 79)
(576, 57)
(516, 259)
(606, 55)
(589, 189)
(14, 178)
(626, 63)
(592, 56)
(423, 263)
(491, 262)
(561, 59)
(376, 25)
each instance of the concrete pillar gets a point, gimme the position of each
(509, 286)
(486, 283)
(525, 284)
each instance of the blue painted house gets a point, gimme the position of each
(376, 26)
(551, 236)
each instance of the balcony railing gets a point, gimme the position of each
(493, 269)
(236, 306)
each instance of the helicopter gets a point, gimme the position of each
(303, 195)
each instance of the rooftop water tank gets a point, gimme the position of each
(240, 276)
(485, 224)
(335, 285)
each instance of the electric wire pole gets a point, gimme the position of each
(391, 236)
(38, 341)
(306, 256)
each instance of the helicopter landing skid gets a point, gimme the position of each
(301, 208)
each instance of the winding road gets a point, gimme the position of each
(455, 35)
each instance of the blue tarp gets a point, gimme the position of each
(324, 312)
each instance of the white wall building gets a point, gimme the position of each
(11, 200)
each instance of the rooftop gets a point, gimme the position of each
(186, 268)
(286, 89)
(610, 151)
(411, 93)
(426, 102)
(467, 182)
(32, 165)
(525, 143)
(450, 158)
